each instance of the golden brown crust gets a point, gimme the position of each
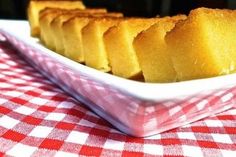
(78, 12)
(47, 11)
(133, 21)
(202, 10)
(94, 16)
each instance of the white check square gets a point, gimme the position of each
(20, 70)
(227, 97)
(192, 150)
(154, 137)
(202, 104)
(21, 150)
(13, 94)
(2, 75)
(222, 138)
(186, 135)
(153, 149)
(24, 110)
(5, 85)
(86, 123)
(4, 66)
(17, 81)
(175, 110)
(26, 88)
(114, 145)
(65, 154)
(9, 72)
(41, 131)
(25, 77)
(232, 111)
(49, 93)
(77, 137)
(8, 122)
(228, 153)
(213, 123)
(2, 100)
(38, 101)
(66, 104)
(55, 116)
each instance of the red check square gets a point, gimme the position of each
(201, 129)
(76, 113)
(51, 144)
(170, 141)
(226, 117)
(207, 144)
(135, 154)
(4, 110)
(90, 151)
(230, 130)
(58, 98)
(19, 101)
(2, 154)
(32, 120)
(14, 136)
(65, 126)
(46, 108)
(99, 132)
(32, 93)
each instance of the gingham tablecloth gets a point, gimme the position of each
(39, 119)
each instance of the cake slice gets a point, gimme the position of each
(56, 25)
(72, 34)
(204, 45)
(46, 34)
(35, 7)
(119, 46)
(151, 49)
(93, 45)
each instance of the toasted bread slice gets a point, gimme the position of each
(151, 49)
(56, 25)
(72, 34)
(204, 44)
(36, 6)
(119, 46)
(93, 45)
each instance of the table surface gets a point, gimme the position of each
(39, 119)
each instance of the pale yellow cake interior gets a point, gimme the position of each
(56, 25)
(72, 34)
(36, 6)
(94, 49)
(46, 33)
(204, 44)
(152, 52)
(119, 46)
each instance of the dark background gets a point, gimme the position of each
(15, 9)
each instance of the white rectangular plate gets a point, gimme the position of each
(137, 108)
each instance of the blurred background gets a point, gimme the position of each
(15, 9)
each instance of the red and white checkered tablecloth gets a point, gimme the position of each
(39, 119)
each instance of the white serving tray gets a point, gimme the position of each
(136, 108)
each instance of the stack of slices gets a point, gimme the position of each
(166, 49)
